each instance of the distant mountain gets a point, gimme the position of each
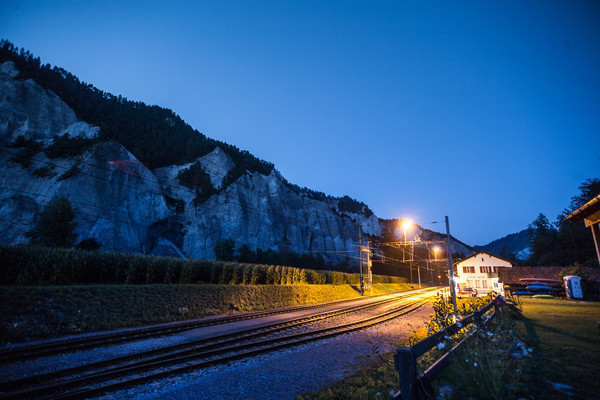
(513, 246)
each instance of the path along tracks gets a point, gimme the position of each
(109, 375)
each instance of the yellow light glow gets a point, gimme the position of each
(436, 249)
(406, 224)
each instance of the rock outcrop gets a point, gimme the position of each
(29, 110)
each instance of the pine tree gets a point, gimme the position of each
(224, 249)
(55, 225)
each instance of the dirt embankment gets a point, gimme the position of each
(51, 311)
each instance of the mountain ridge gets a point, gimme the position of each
(514, 246)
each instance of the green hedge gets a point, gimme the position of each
(33, 265)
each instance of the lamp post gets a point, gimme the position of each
(405, 224)
(435, 251)
(430, 266)
(412, 256)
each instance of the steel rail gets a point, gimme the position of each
(205, 343)
(24, 352)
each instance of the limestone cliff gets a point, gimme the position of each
(124, 206)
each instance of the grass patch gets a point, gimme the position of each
(566, 341)
(37, 312)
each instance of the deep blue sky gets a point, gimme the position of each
(486, 111)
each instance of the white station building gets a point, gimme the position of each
(479, 274)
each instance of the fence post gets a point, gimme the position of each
(405, 365)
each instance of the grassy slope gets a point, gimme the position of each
(566, 339)
(49, 311)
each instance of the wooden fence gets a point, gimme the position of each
(405, 358)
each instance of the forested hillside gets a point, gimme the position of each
(156, 136)
(510, 247)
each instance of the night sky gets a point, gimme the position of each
(485, 111)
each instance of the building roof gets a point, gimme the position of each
(585, 210)
(512, 276)
(477, 254)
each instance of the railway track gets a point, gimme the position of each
(61, 346)
(110, 375)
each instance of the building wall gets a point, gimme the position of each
(481, 272)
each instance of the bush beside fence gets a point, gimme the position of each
(33, 265)
(412, 387)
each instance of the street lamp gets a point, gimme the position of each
(405, 224)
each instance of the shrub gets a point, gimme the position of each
(270, 277)
(156, 271)
(43, 172)
(65, 147)
(35, 265)
(226, 275)
(315, 277)
(259, 275)
(71, 172)
(27, 149)
(173, 272)
(246, 274)
(55, 226)
(136, 272)
(188, 274)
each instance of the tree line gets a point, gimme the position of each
(564, 242)
(227, 250)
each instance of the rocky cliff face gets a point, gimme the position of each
(124, 206)
(29, 110)
(115, 198)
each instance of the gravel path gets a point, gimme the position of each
(284, 374)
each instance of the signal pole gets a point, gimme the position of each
(418, 267)
(365, 265)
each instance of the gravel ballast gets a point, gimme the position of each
(284, 374)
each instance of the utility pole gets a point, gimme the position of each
(429, 265)
(410, 263)
(418, 267)
(451, 268)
